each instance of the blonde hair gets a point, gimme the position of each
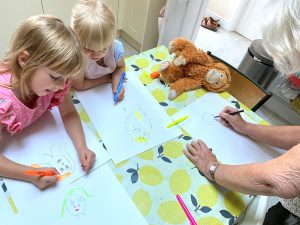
(281, 32)
(50, 44)
(94, 24)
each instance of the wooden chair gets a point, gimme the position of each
(244, 89)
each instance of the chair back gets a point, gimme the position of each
(244, 89)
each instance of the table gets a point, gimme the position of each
(153, 178)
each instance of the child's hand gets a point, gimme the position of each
(87, 159)
(43, 182)
(115, 87)
(121, 94)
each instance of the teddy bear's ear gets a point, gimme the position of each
(228, 77)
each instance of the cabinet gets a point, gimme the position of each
(59, 8)
(139, 22)
(12, 14)
(114, 6)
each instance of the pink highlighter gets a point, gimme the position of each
(186, 211)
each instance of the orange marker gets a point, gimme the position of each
(41, 173)
(154, 75)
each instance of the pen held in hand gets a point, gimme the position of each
(119, 87)
(41, 173)
(232, 113)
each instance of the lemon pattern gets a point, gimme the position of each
(180, 182)
(170, 212)
(207, 195)
(159, 55)
(234, 203)
(145, 78)
(171, 111)
(147, 155)
(119, 177)
(159, 95)
(154, 68)
(148, 175)
(142, 200)
(209, 221)
(181, 98)
(150, 179)
(200, 92)
(142, 63)
(151, 176)
(170, 150)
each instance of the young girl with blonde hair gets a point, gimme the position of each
(94, 26)
(43, 56)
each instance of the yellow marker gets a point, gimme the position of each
(9, 198)
(12, 204)
(177, 121)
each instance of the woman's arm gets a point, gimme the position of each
(277, 177)
(284, 137)
(74, 128)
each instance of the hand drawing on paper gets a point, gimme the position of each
(138, 126)
(208, 117)
(75, 202)
(60, 159)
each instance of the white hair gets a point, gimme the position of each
(281, 34)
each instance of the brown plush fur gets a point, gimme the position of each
(186, 49)
(192, 70)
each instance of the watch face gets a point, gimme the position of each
(212, 168)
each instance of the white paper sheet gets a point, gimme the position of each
(229, 146)
(46, 144)
(93, 200)
(131, 126)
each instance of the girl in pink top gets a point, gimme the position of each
(34, 78)
(94, 26)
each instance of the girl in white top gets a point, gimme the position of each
(94, 26)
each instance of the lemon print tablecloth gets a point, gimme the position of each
(153, 178)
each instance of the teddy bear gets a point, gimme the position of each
(191, 69)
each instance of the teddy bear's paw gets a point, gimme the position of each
(170, 46)
(172, 94)
(179, 61)
(163, 66)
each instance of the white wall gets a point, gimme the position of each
(223, 9)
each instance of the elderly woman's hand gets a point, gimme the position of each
(201, 156)
(234, 121)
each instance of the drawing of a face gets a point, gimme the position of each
(62, 164)
(209, 118)
(76, 205)
(60, 159)
(138, 126)
(75, 202)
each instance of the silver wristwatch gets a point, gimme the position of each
(212, 170)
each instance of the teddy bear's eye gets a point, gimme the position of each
(217, 83)
(222, 75)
